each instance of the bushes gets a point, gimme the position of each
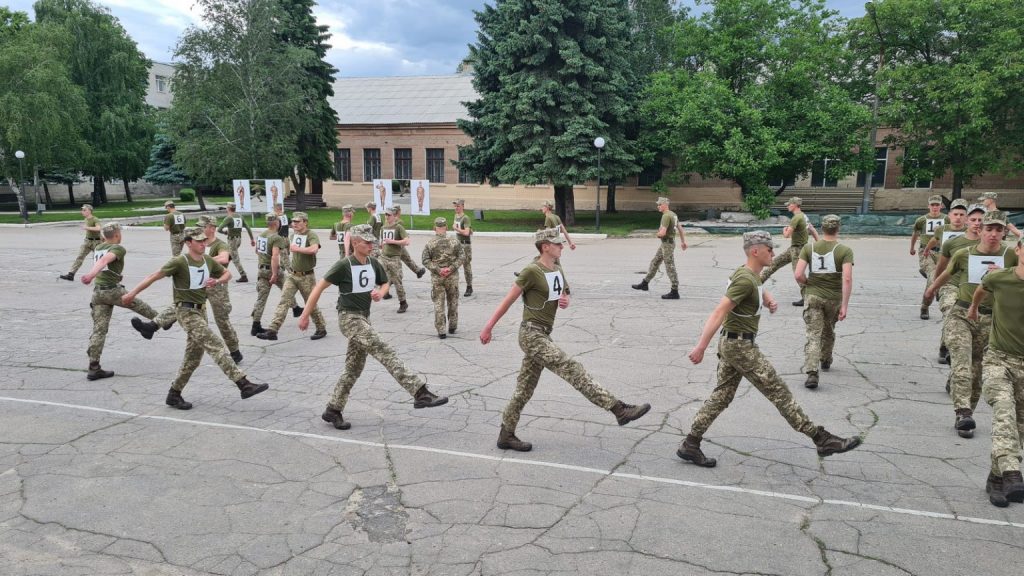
(187, 195)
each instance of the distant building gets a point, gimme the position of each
(158, 90)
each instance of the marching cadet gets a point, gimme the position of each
(666, 252)
(92, 228)
(797, 231)
(463, 226)
(442, 256)
(232, 225)
(304, 244)
(924, 229)
(270, 247)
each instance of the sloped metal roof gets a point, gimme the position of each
(402, 99)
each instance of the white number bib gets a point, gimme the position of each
(823, 263)
(931, 224)
(98, 255)
(236, 222)
(376, 217)
(457, 224)
(197, 276)
(299, 240)
(977, 266)
(341, 237)
(387, 234)
(179, 219)
(363, 278)
(948, 235)
(261, 245)
(283, 220)
(556, 284)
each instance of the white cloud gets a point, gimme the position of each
(175, 13)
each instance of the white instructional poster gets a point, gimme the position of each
(382, 194)
(420, 197)
(242, 195)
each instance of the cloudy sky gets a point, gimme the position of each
(369, 37)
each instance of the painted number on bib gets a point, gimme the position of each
(236, 222)
(387, 234)
(261, 245)
(823, 263)
(978, 266)
(363, 278)
(556, 284)
(299, 240)
(98, 255)
(283, 220)
(948, 235)
(179, 219)
(197, 276)
(931, 224)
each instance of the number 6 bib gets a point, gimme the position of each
(363, 278)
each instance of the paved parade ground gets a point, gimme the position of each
(103, 478)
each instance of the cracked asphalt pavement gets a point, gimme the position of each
(102, 478)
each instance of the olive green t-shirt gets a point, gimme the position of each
(303, 262)
(745, 291)
(339, 232)
(190, 277)
(945, 233)
(973, 264)
(925, 227)
(111, 275)
(825, 260)
(265, 244)
(669, 221)
(1007, 311)
(950, 247)
(463, 222)
(798, 227)
(92, 222)
(377, 222)
(355, 281)
(542, 287)
(218, 247)
(233, 226)
(551, 220)
(176, 222)
(393, 232)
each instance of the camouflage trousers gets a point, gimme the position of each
(926, 262)
(408, 261)
(201, 339)
(263, 291)
(966, 341)
(789, 256)
(445, 291)
(220, 305)
(946, 298)
(102, 304)
(666, 253)
(540, 353)
(467, 264)
(84, 250)
(363, 340)
(176, 240)
(1003, 375)
(738, 359)
(393, 266)
(303, 285)
(234, 242)
(820, 316)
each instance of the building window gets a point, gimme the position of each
(371, 164)
(878, 176)
(779, 183)
(465, 177)
(819, 172)
(343, 165)
(161, 84)
(915, 173)
(403, 163)
(435, 164)
(650, 175)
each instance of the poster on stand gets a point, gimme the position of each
(382, 194)
(242, 195)
(420, 198)
(274, 194)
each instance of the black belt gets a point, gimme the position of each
(297, 273)
(981, 309)
(363, 313)
(98, 287)
(536, 326)
(464, 242)
(740, 335)
(265, 267)
(192, 305)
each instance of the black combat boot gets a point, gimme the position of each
(319, 334)
(297, 311)
(690, 450)
(996, 494)
(427, 399)
(508, 441)
(236, 356)
(402, 306)
(964, 423)
(829, 444)
(799, 302)
(626, 413)
(469, 292)
(641, 286)
(267, 335)
(421, 272)
(924, 313)
(174, 400)
(97, 373)
(333, 417)
(812, 380)
(826, 364)
(943, 354)
(69, 277)
(250, 389)
(147, 329)
(242, 279)
(673, 294)
(1013, 486)
(257, 327)
(387, 296)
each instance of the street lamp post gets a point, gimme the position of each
(866, 193)
(21, 183)
(599, 144)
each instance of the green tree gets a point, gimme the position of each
(951, 82)
(162, 169)
(552, 75)
(42, 111)
(316, 138)
(235, 104)
(107, 64)
(755, 96)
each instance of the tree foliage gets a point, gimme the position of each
(951, 82)
(552, 75)
(756, 94)
(162, 169)
(236, 105)
(112, 73)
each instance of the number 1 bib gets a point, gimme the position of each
(930, 224)
(555, 284)
(823, 263)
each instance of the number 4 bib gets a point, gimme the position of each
(556, 283)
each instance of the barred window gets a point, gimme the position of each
(371, 164)
(650, 174)
(435, 164)
(819, 174)
(343, 165)
(403, 163)
(465, 176)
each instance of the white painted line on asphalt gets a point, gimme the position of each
(520, 461)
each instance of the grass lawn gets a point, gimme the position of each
(111, 210)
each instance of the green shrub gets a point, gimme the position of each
(187, 195)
